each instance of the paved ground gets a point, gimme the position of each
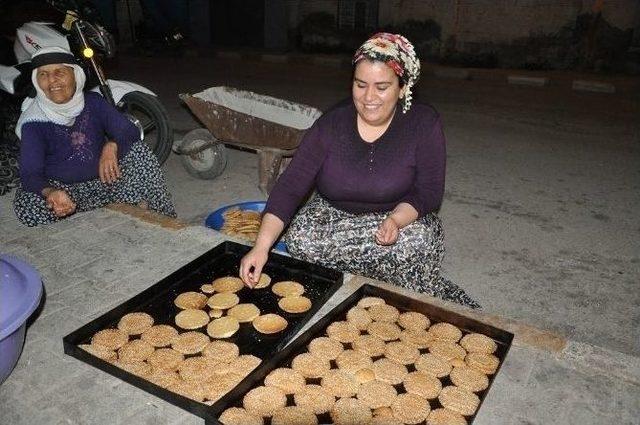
(93, 262)
(542, 185)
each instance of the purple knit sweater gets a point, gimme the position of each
(406, 164)
(71, 154)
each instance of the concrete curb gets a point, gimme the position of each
(603, 361)
(593, 86)
(148, 216)
(522, 80)
(229, 55)
(452, 73)
(274, 58)
(331, 61)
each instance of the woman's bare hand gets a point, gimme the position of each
(60, 203)
(251, 266)
(387, 233)
(108, 169)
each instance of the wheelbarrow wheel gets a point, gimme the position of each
(208, 163)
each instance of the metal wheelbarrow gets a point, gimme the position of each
(270, 126)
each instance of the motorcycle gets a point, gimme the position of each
(87, 41)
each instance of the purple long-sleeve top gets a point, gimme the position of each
(406, 164)
(71, 154)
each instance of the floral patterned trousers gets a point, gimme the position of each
(325, 235)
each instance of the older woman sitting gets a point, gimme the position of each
(77, 151)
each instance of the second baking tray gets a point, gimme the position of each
(436, 314)
(320, 283)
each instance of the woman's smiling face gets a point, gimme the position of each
(376, 90)
(57, 81)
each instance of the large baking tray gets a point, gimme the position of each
(403, 303)
(223, 260)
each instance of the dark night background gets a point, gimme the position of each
(585, 35)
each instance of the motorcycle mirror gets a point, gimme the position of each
(63, 5)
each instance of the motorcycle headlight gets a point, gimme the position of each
(99, 38)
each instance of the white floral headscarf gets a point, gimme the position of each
(398, 53)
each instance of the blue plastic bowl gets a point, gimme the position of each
(20, 292)
(215, 220)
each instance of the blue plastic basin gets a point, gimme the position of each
(215, 220)
(20, 292)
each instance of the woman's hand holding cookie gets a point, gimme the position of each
(251, 266)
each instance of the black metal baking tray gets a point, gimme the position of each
(223, 260)
(436, 314)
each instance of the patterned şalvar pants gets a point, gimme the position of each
(142, 181)
(325, 235)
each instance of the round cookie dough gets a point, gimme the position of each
(135, 323)
(270, 323)
(194, 300)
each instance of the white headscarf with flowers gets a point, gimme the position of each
(41, 109)
(398, 53)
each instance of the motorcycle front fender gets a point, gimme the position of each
(119, 88)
